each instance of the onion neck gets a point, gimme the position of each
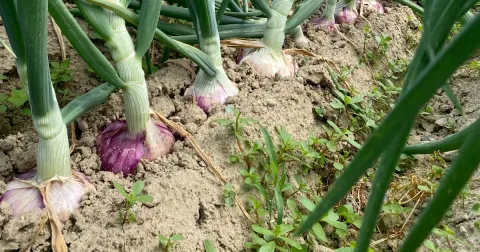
(129, 68)
(53, 154)
(330, 9)
(274, 36)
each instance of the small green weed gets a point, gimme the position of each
(168, 242)
(208, 246)
(228, 195)
(131, 199)
(17, 98)
(61, 74)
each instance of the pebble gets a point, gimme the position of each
(82, 125)
(271, 102)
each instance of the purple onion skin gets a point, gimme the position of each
(121, 153)
(324, 24)
(346, 15)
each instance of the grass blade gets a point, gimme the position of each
(272, 154)
(453, 182)
(147, 24)
(431, 78)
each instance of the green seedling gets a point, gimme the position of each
(238, 124)
(475, 67)
(17, 98)
(448, 234)
(60, 72)
(228, 195)
(168, 242)
(131, 199)
(208, 246)
(395, 208)
(344, 100)
(274, 239)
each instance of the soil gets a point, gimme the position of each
(187, 197)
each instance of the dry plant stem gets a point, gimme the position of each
(413, 198)
(177, 128)
(411, 212)
(58, 32)
(74, 138)
(58, 241)
(401, 229)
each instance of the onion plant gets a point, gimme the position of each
(122, 144)
(53, 184)
(270, 59)
(434, 62)
(208, 90)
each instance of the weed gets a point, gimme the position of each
(131, 199)
(374, 54)
(61, 74)
(474, 66)
(228, 195)
(17, 98)
(168, 242)
(208, 246)
(275, 194)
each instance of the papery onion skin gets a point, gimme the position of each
(208, 91)
(22, 197)
(63, 195)
(268, 63)
(159, 140)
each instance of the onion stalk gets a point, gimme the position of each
(209, 90)
(52, 185)
(122, 144)
(270, 59)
